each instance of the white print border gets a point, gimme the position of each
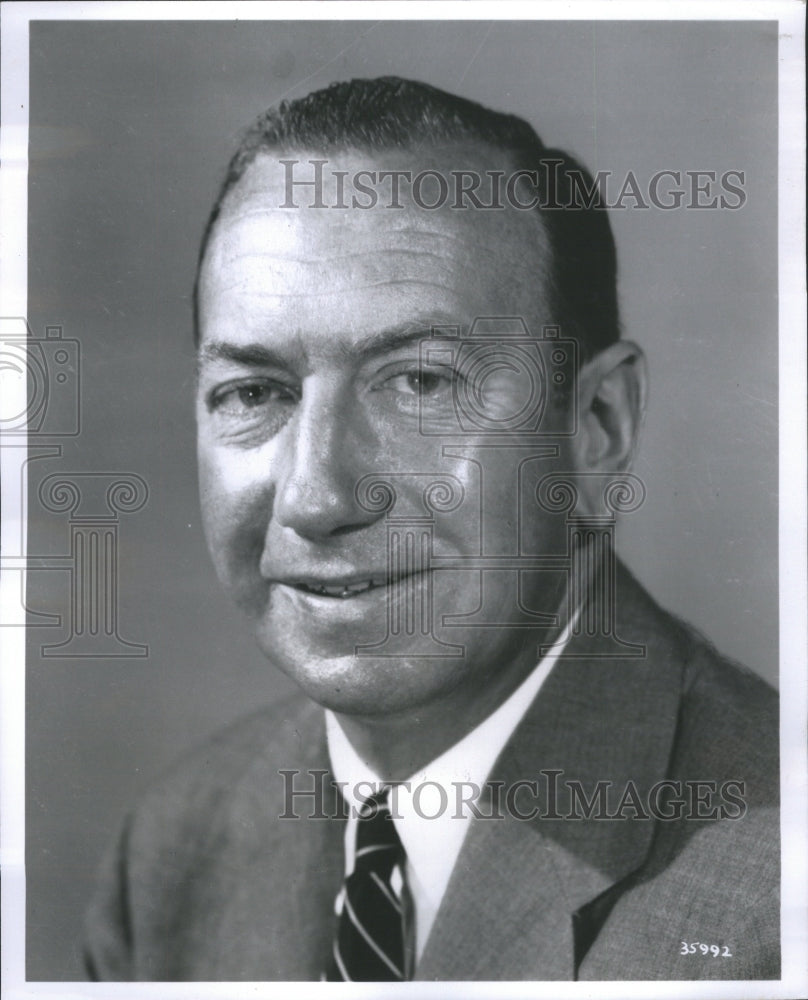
(13, 207)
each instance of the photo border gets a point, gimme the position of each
(792, 452)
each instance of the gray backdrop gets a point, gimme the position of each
(131, 126)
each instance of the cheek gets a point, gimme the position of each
(213, 498)
(511, 519)
(235, 508)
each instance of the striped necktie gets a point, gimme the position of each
(369, 942)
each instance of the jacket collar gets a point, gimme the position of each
(520, 887)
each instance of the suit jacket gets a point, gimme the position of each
(208, 883)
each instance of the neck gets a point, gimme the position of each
(398, 746)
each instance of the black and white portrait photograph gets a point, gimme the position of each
(404, 450)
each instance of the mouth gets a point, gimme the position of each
(341, 590)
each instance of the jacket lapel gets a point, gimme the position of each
(516, 906)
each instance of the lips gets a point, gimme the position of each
(344, 588)
(340, 589)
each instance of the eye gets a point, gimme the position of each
(421, 382)
(238, 399)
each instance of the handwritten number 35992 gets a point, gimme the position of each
(706, 949)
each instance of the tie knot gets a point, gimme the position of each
(377, 842)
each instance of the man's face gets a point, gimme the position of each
(310, 380)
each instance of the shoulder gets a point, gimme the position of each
(723, 759)
(728, 714)
(209, 814)
(726, 757)
(212, 777)
(711, 875)
(733, 711)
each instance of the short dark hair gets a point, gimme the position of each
(390, 113)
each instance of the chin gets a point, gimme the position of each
(360, 685)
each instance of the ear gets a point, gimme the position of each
(612, 390)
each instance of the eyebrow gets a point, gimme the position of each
(253, 355)
(258, 355)
(393, 339)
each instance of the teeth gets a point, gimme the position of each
(342, 589)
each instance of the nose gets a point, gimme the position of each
(318, 459)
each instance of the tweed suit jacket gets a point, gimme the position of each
(207, 882)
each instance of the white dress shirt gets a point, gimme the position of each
(425, 810)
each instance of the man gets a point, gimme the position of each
(415, 421)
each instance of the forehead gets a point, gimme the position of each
(340, 271)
